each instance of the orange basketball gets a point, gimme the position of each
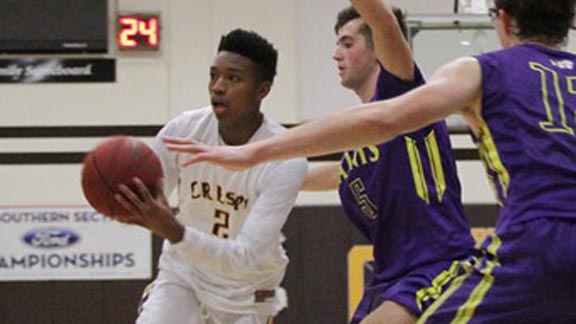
(117, 161)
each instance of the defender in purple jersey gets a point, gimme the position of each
(404, 196)
(520, 103)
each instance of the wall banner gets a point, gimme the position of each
(70, 244)
(57, 70)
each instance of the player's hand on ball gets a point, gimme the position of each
(115, 161)
(150, 210)
(234, 158)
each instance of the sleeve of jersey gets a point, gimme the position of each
(390, 86)
(261, 232)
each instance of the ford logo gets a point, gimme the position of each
(50, 238)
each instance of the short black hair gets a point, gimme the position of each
(547, 21)
(350, 13)
(254, 47)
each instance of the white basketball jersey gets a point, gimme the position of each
(231, 254)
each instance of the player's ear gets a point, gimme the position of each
(509, 24)
(263, 89)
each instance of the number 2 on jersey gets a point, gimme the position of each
(221, 223)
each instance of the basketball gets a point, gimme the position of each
(115, 161)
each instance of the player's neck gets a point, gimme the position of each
(240, 130)
(544, 43)
(367, 89)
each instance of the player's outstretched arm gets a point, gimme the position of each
(235, 158)
(390, 45)
(453, 88)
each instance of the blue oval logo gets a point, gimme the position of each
(48, 238)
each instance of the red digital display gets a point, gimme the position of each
(138, 32)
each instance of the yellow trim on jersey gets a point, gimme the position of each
(491, 158)
(417, 170)
(494, 246)
(435, 289)
(436, 165)
(458, 281)
(466, 311)
(453, 287)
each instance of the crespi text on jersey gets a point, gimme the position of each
(203, 190)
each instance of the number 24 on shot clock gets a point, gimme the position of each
(138, 32)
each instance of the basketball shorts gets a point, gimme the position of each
(415, 291)
(167, 300)
(526, 274)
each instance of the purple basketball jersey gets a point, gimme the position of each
(404, 195)
(528, 140)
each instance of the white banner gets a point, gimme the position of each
(53, 243)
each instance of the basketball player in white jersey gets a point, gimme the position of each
(223, 260)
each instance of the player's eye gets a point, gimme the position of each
(234, 78)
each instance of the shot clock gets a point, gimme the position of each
(138, 32)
